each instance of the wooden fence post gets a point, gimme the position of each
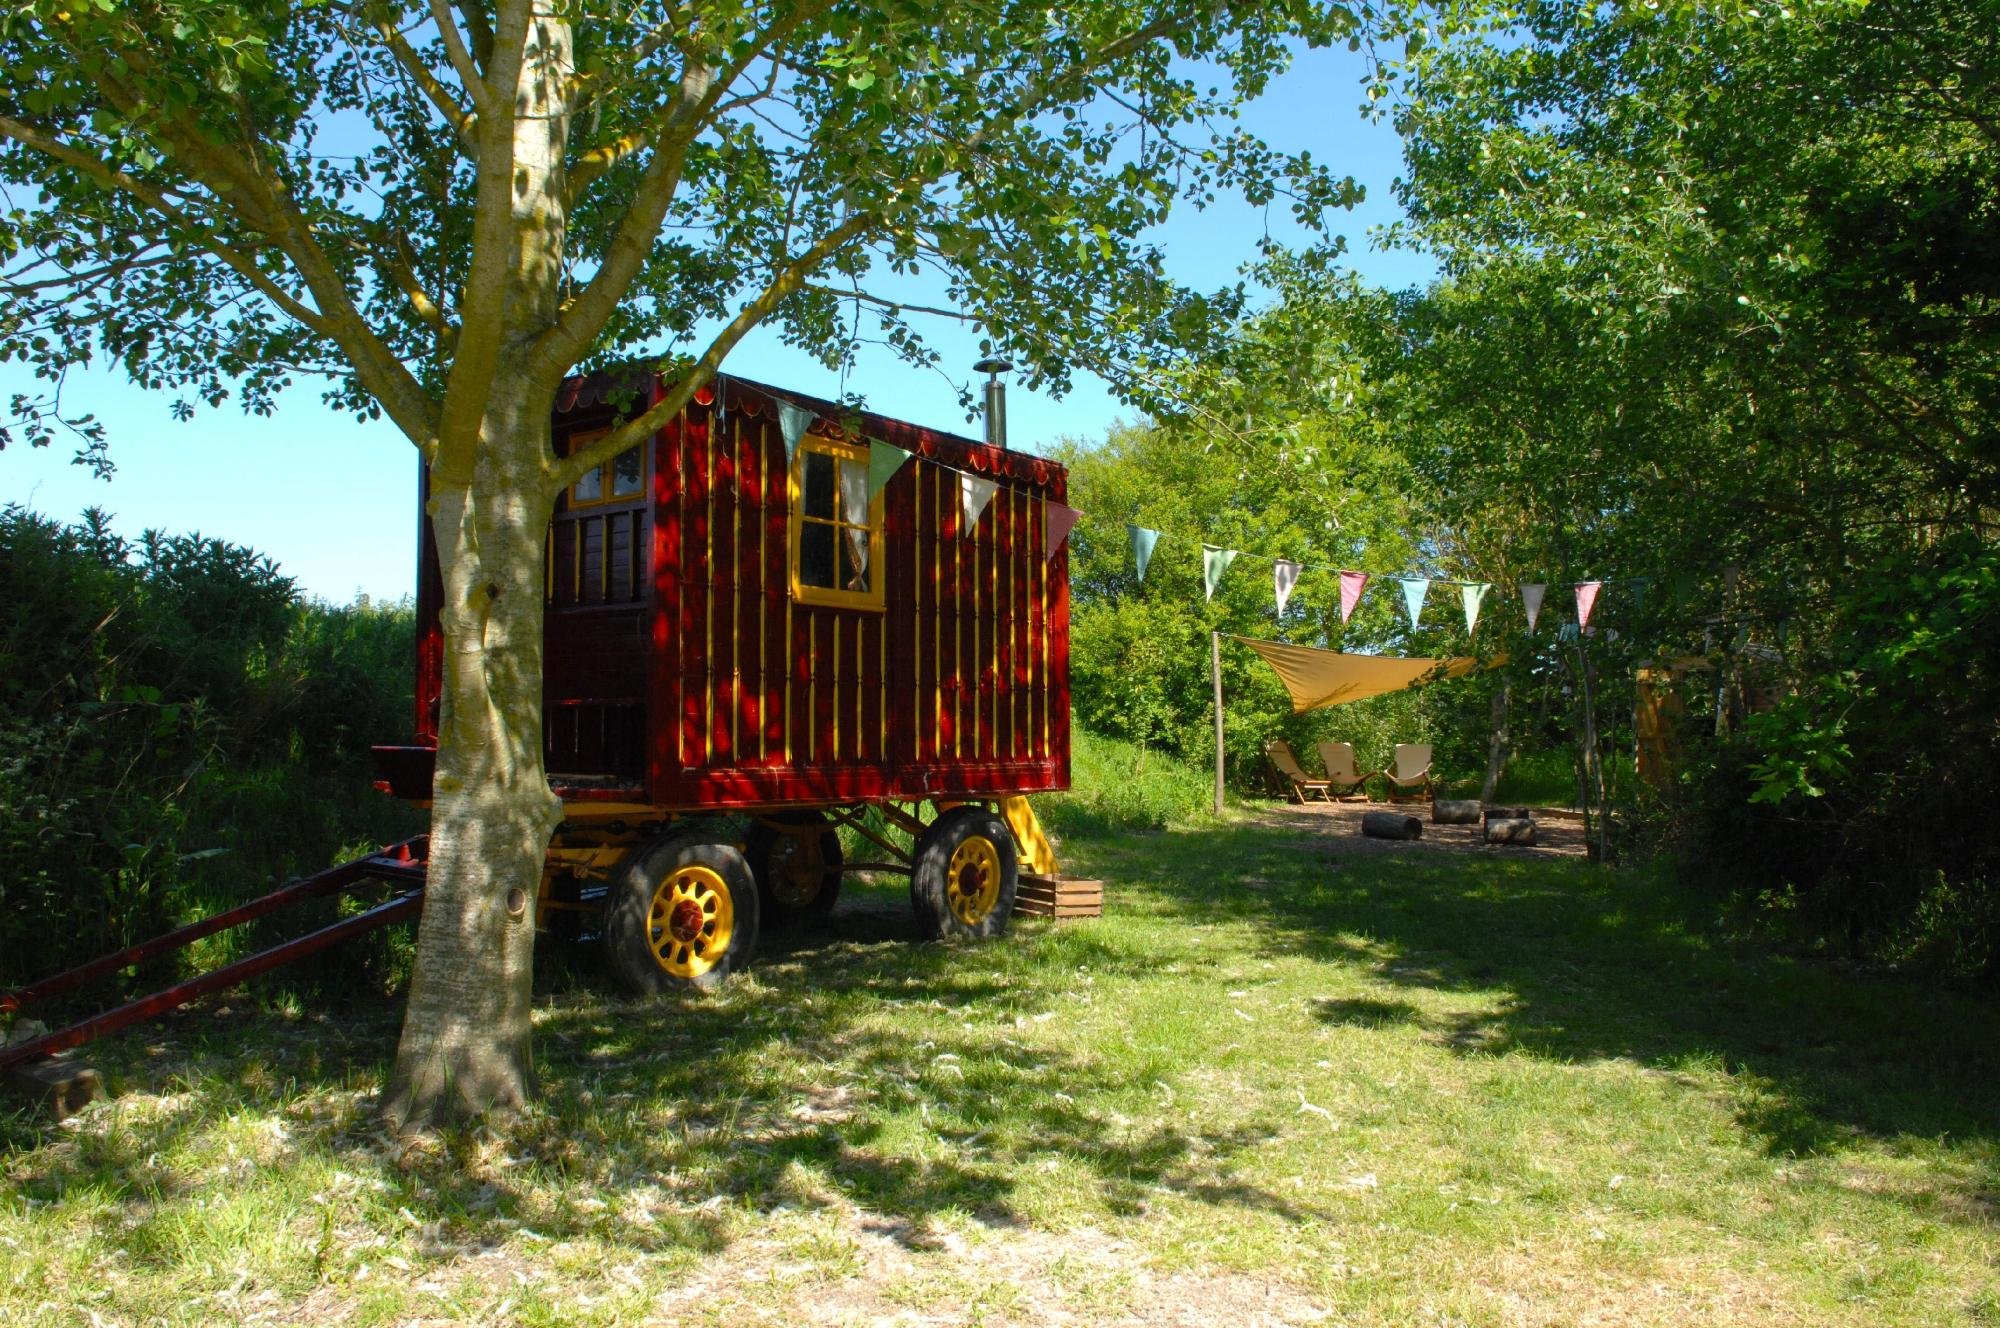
(1215, 674)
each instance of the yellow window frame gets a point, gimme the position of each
(856, 454)
(606, 472)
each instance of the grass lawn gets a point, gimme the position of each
(1277, 1084)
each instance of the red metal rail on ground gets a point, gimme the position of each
(404, 862)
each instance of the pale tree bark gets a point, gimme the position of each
(466, 1045)
(1497, 745)
(465, 1049)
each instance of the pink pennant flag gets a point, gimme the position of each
(1586, 600)
(1057, 522)
(1351, 586)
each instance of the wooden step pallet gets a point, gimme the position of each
(1058, 897)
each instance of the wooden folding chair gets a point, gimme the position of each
(1346, 778)
(1411, 770)
(1293, 775)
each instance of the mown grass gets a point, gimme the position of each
(1276, 1083)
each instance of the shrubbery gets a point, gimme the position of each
(178, 730)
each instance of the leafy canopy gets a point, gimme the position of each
(231, 196)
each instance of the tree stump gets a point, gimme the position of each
(1454, 811)
(1391, 825)
(1509, 814)
(1519, 831)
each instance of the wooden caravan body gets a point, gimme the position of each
(722, 634)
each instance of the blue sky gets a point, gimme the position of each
(333, 499)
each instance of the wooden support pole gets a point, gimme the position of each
(1215, 675)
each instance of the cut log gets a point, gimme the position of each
(1516, 831)
(1509, 814)
(1391, 825)
(1454, 811)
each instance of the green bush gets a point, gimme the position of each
(178, 731)
(1118, 785)
(1859, 808)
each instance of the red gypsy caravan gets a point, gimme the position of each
(779, 618)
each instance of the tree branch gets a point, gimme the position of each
(701, 88)
(592, 165)
(456, 116)
(480, 31)
(461, 59)
(788, 281)
(203, 235)
(402, 269)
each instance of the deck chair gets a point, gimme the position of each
(1292, 775)
(1411, 771)
(1342, 773)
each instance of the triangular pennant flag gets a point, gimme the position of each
(1531, 599)
(883, 463)
(1414, 590)
(1586, 600)
(1057, 522)
(1214, 562)
(1285, 574)
(973, 495)
(1143, 541)
(1351, 586)
(792, 422)
(1474, 592)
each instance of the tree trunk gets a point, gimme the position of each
(1497, 746)
(465, 1051)
(1596, 831)
(465, 1047)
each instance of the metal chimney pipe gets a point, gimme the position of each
(996, 399)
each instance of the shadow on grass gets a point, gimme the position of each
(1590, 964)
(803, 1087)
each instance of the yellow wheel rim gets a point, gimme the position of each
(691, 921)
(972, 884)
(798, 869)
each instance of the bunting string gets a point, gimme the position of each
(1059, 520)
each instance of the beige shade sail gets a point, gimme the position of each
(1317, 678)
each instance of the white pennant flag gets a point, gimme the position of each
(1474, 592)
(1286, 575)
(1531, 597)
(973, 495)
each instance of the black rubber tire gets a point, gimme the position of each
(931, 885)
(768, 849)
(629, 924)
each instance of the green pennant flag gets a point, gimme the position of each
(1474, 592)
(1143, 541)
(1414, 590)
(792, 423)
(1214, 562)
(883, 463)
